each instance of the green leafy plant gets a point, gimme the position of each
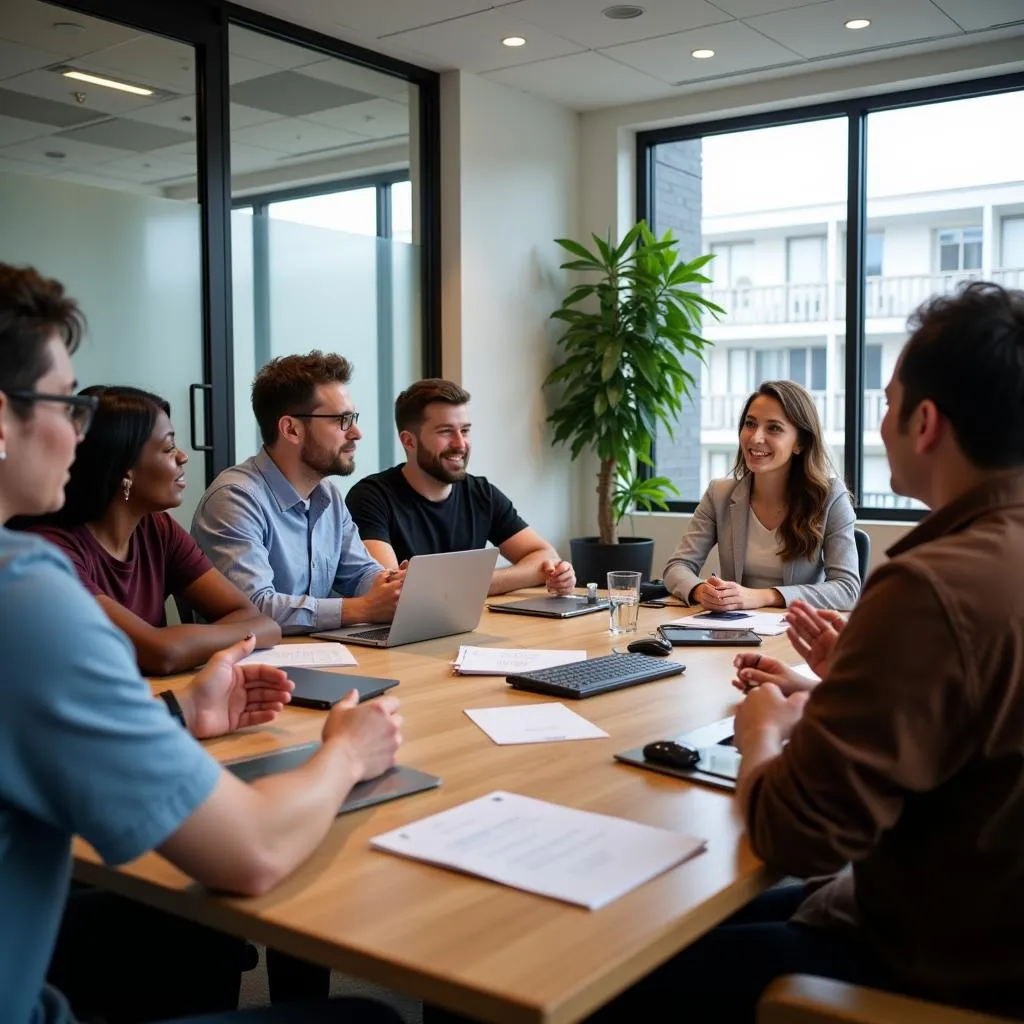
(628, 330)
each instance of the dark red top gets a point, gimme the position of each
(163, 560)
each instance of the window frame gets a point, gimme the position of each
(856, 111)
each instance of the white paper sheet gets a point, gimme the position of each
(575, 856)
(307, 655)
(534, 723)
(762, 623)
(807, 672)
(505, 661)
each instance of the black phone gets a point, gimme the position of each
(653, 604)
(724, 615)
(315, 688)
(680, 636)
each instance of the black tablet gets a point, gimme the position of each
(394, 783)
(681, 636)
(316, 688)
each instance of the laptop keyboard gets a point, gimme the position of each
(598, 675)
(379, 633)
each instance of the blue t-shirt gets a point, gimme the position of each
(84, 749)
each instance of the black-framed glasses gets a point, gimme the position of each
(79, 409)
(345, 420)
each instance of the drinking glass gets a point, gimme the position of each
(623, 601)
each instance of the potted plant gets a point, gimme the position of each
(629, 326)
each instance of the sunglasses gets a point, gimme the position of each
(79, 409)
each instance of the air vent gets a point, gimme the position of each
(622, 12)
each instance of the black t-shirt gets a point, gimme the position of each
(385, 507)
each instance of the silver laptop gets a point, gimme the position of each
(441, 595)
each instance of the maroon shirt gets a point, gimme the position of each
(163, 560)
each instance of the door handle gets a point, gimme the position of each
(194, 440)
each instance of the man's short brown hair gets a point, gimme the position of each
(288, 385)
(411, 404)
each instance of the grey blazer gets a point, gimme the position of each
(832, 580)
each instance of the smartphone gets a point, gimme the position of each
(682, 636)
(653, 604)
(723, 615)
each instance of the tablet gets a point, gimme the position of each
(552, 607)
(719, 762)
(681, 636)
(315, 688)
(396, 782)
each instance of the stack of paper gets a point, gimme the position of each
(534, 723)
(309, 655)
(507, 661)
(576, 856)
(762, 623)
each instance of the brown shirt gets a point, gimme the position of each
(909, 760)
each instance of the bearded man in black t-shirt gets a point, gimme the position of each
(432, 505)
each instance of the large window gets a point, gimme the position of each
(829, 224)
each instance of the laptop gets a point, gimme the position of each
(567, 607)
(442, 594)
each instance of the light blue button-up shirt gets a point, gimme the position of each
(287, 560)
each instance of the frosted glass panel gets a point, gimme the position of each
(244, 327)
(132, 262)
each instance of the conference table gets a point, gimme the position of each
(461, 942)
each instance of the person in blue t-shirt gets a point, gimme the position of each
(84, 747)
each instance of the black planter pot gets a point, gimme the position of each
(593, 560)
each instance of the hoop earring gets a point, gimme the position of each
(126, 488)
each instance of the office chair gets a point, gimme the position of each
(863, 542)
(805, 999)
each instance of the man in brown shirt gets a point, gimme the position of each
(907, 761)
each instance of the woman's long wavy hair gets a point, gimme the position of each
(810, 470)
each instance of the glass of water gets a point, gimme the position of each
(624, 601)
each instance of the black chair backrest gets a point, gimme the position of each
(863, 542)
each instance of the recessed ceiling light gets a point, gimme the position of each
(55, 154)
(856, 23)
(513, 41)
(622, 12)
(702, 54)
(107, 83)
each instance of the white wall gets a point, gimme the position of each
(510, 178)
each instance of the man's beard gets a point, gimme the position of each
(434, 466)
(326, 462)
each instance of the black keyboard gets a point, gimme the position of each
(380, 633)
(599, 675)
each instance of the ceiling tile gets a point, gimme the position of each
(51, 85)
(242, 116)
(147, 169)
(737, 49)
(748, 8)
(473, 43)
(361, 79)
(820, 31)
(13, 129)
(375, 118)
(293, 94)
(148, 60)
(15, 59)
(169, 114)
(245, 158)
(972, 15)
(32, 108)
(386, 16)
(76, 154)
(582, 81)
(583, 23)
(32, 23)
(11, 166)
(124, 133)
(242, 69)
(268, 50)
(294, 135)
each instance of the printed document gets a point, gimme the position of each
(507, 661)
(534, 723)
(762, 623)
(575, 856)
(307, 655)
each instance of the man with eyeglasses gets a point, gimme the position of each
(276, 526)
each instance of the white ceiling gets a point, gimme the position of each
(294, 106)
(584, 60)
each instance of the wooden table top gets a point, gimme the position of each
(485, 950)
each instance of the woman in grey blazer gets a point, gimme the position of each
(783, 522)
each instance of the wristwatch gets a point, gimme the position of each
(167, 696)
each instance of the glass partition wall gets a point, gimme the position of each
(288, 210)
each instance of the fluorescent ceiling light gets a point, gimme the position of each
(702, 54)
(513, 41)
(856, 23)
(108, 83)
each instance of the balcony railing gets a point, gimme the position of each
(722, 412)
(883, 297)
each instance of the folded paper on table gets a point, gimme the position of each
(308, 655)
(575, 856)
(534, 723)
(509, 661)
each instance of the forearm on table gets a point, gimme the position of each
(527, 572)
